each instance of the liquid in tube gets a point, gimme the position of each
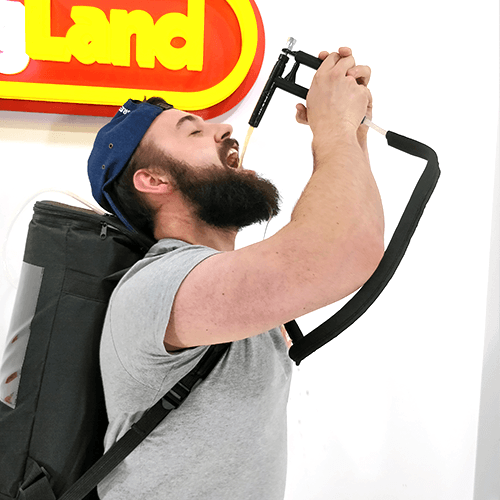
(245, 146)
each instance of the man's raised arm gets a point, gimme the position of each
(331, 246)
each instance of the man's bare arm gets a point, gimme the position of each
(331, 246)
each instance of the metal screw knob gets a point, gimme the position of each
(290, 43)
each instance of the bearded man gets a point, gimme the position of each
(175, 176)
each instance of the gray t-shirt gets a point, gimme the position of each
(228, 439)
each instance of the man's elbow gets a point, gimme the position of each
(369, 259)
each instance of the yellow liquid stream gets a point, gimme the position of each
(245, 146)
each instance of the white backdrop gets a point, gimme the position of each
(391, 409)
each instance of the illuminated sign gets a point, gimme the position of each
(89, 56)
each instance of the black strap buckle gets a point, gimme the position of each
(175, 396)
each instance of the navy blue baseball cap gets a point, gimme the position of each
(113, 147)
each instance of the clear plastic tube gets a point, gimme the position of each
(369, 123)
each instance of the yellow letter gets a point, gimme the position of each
(191, 28)
(39, 42)
(123, 26)
(88, 38)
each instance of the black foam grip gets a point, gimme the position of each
(308, 60)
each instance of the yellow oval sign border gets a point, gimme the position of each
(188, 101)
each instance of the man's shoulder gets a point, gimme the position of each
(169, 256)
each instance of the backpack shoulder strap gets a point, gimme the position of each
(141, 429)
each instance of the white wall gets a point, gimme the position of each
(391, 409)
(488, 444)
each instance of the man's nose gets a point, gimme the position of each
(222, 131)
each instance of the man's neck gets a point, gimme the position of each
(198, 234)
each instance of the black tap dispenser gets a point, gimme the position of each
(287, 83)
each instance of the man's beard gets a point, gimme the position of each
(224, 197)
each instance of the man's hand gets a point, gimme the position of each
(362, 76)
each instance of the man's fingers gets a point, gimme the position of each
(362, 74)
(335, 57)
(344, 65)
(301, 115)
(329, 59)
(345, 52)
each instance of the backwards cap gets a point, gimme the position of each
(114, 145)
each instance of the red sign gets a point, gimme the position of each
(89, 56)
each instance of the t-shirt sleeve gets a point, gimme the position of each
(140, 309)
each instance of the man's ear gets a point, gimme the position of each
(152, 182)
